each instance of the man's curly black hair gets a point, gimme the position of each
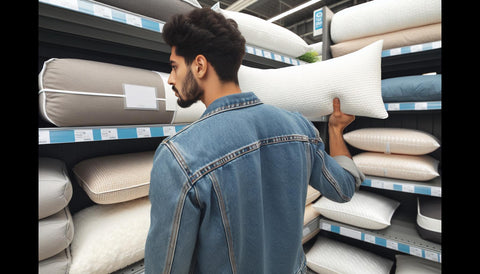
(206, 32)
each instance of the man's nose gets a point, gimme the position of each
(171, 79)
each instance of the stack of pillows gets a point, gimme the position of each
(55, 224)
(398, 23)
(310, 228)
(398, 153)
(119, 185)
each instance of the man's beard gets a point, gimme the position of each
(192, 91)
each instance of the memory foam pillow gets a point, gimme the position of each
(392, 140)
(390, 15)
(429, 218)
(54, 186)
(365, 210)
(395, 39)
(75, 92)
(412, 88)
(109, 237)
(331, 256)
(354, 78)
(55, 233)
(407, 264)
(406, 167)
(115, 178)
(267, 35)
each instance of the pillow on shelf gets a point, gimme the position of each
(109, 237)
(390, 15)
(311, 88)
(407, 264)
(55, 233)
(310, 228)
(365, 210)
(312, 195)
(56, 264)
(393, 140)
(406, 167)
(267, 35)
(115, 178)
(429, 218)
(412, 88)
(331, 256)
(54, 186)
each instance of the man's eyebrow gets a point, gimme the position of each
(172, 62)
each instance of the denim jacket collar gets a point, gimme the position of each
(232, 101)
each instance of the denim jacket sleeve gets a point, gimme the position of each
(336, 178)
(174, 217)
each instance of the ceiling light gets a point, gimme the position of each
(295, 9)
(240, 5)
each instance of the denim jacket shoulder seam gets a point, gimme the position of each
(232, 107)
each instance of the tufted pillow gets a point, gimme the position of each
(390, 15)
(55, 233)
(354, 78)
(109, 237)
(392, 140)
(54, 186)
(115, 178)
(365, 210)
(406, 167)
(331, 256)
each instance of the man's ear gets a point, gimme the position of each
(200, 66)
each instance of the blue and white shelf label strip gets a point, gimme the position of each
(403, 187)
(433, 105)
(412, 48)
(58, 136)
(405, 248)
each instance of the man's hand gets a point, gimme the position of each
(337, 122)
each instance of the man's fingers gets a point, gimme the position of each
(336, 105)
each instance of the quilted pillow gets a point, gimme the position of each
(365, 210)
(55, 233)
(354, 78)
(115, 178)
(54, 186)
(331, 256)
(109, 237)
(406, 167)
(392, 140)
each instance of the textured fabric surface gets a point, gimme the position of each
(109, 237)
(395, 39)
(54, 186)
(407, 264)
(390, 15)
(406, 167)
(330, 256)
(58, 264)
(365, 210)
(311, 88)
(412, 88)
(392, 140)
(267, 35)
(75, 92)
(115, 178)
(55, 233)
(312, 195)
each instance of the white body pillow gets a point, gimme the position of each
(365, 210)
(382, 16)
(330, 256)
(354, 78)
(109, 237)
(406, 167)
(267, 35)
(392, 140)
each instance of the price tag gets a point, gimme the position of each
(395, 51)
(133, 20)
(69, 4)
(350, 233)
(416, 48)
(431, 255)
(83, 135)
(436, 191)
(277, 57)
(408, 188)
(392, 245)
(377, 184)
(421, 106)
(143, 132)
(250, 50)
(326, 227)
(267, 54)
(168, 131)
(258, 52)
(102, 11)
(393, 106)
(369, 238)
(43, 137)
(415, 251)
(109, 133)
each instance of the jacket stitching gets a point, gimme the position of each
(179, 158)
(226, 223)
(331, 179)
(244, 150)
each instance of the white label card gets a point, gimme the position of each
(169, 130)
(83, 135)
(43, 137)
(109, 133)
(143, 132)
(140, 97)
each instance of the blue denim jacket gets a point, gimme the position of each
(228, 191)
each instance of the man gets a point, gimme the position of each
(228, 191)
